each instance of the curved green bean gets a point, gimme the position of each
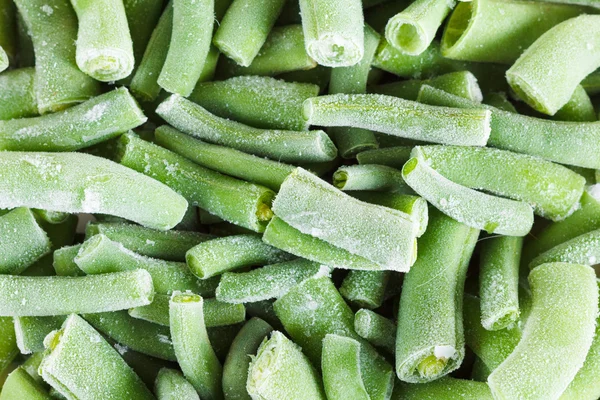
(583, 249)
(578, 108)
(340, 363)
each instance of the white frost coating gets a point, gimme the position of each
(47, 9)
(444, 352)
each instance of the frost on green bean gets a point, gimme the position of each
(20, 385)
(377, 178)
(378, 330)
(578, 108)
(17, 95)
(340, 364)
(8, 343)
(64, 261)
(365, 288)
(583, 249)
(171, 385)
(394, 157)
(462, 389)
(31, 331)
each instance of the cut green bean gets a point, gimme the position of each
(8, 33)
(171, 385)
(428, 63)
(578, 108)
(399, 117)
(189, 45)
(591, 83)
(96, 120)
(59, 83)
(105, 376)
(269, 282)
(394, 157)
(237, 363)
(104, 46)
(444, 388)
(8, 343)
(333, 31)
(378, 330)
(223, 159)
(318, 76)
(365, 288)
(31, 331)
(192, 346)
(20, 385)
(377, 178)
(567, 64)
(76, 182)
(287, 146)
(236, 201)
(17, 95)
(499, 101)
(340, 364)
(583, 249)
(259, 101)
(64, 261)
(557, 336)
(430, 338)
(313, 309)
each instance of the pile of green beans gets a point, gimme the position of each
(299, 200)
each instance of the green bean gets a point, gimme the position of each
(365, 288)
(94, 121)
(313, 309)
(187, 52)
(399, 117)
(20, 385)
(269, 282)
(428, 63)
(31, 331)
(318, 76)
(237, 363)
(64, 261)
(394, 157)
(31, 366)
(583, 249)
(223, 159)
(499, 101)
(8, 33)
(378, 330)
(430, 338)
(171, 385)
(262, 102)
(333, 31)
(59, 83)
(378, 15)
(341, 368)
(264, 310)
(8, 343)
(557, 336)
(289, 146)
(444, 388)
(578, 108)
(377, 178)
(26, 53)
(17, 95)
(591, 83)
(192, 346)
(233, 200)
(105, 376)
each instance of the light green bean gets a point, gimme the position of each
(365, 288)
(17, 94)
(171, 385)
(378, 330)
(20, 385)
(340, 363)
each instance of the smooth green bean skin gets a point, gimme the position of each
(567, 64)
(377, 178)
(237, 363)
(96, 120)
(76, 182)
(399, 117)
(445, 388)
(583, 249)
(365, 288)
(340, 364)
(557, 336)
(105, 376)
(394, 157)
(59, 83)
(258, 101)
(378, 330)
(223, 159)
(20, 385)
(189, 45)
(17, 95)
(171, 385)
(287, 146)
(104, 45)
(31, 331)
(235, 201)
(194, 353)
(313, 309)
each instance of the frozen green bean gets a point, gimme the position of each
(340, 364)
(8, 33)
(377, 178)
(365, 288)
(591, 83)
(394, 157)
(578, 108)
(17, 95)
(428, 63)
(583, 249)
(31, 331)
(20, 385)
(171, 385)
(444, 388)
(378, 330)
(8, 343)
(499, 101)
(64, 261)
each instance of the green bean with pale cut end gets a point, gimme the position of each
(21, 385)
(236, 201)
(340, 364)
(259, 101)
(546, 74)
(583, 249)
(219, 255)
(31, 331)
(394, 157)
(96, 120)
(171, 385)
(557, 336)
(105, 376)
(377, 178)
(237, 363)
(444, 388)
(399, 117)
(189, 45)
(17, 95)
(194, 353)
(413, 29)
(238, 164)
(578, 108)
(317, 208)
(81, 183)
(104, 45)
(365, 288)
(430, 339)
(281, 145)
(22, 241)
(281, 371)
(378, 330)
(64, 261)
(313, 309)
(59, 83)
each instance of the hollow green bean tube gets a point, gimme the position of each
(236, 201)
(444, 388)
(20, 385)
(377, 178)
(340, 364)
(104, 46)
(17, 94)
(287, 146)
(171, 385)
(546, 74)
(59, 83)
(583, 249)
(106, 374)
(194, 353)
(399, 117)
(189, 45)
(578, 108)
(314, 207)
(378, 330)
(413, 29)
(93, 121)
(557, 336)
(259, 101)
(475, 32)
(430, 338)
(365, 288)
(237, 363)
(76, 182)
